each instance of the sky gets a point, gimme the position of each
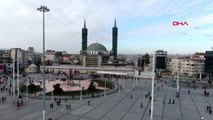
(143, 25)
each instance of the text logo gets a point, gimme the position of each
(177, 23)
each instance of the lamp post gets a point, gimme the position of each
(119, 84)
(105, 88)
(80, 90)
(133, 84)
(52, 92)
(152, 94)
(14, 78)
(27, 87)
(18, 71)
(123, 81)
(43, 9)
(177, 82)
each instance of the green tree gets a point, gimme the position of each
(32, 87)
(57, 89)
(91, 87)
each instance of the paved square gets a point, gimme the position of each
(117, 106)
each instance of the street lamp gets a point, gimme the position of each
(152, 93)
(80, 90)
(53, 90)
(43, 9)
(13, 78)
(104, 87)
(119, 84)
(27, 88)
(18, 71)
(133, 84)
(123, 81)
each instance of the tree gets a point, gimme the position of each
(91, 87)
(57, 89)
(32, 87)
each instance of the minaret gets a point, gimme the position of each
(84, 38)
(114, 40)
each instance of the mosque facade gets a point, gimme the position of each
(96, 54)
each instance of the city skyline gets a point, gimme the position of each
(143, 25)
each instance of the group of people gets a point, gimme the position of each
(147, 95)
(68, 107)
(171, 101)
(209, 109)
(58, 102)
(51, 105)
(3, 99)
(206, 93)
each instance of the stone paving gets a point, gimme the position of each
(117, 106)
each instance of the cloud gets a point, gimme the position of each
(21, 23)
(184, 33)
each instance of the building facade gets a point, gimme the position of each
(209, 63)
(190, 66)
(160, 59)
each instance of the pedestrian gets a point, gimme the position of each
(141, 105)
(88, 103)
(188, 91)
(66, 107)
(131, 96)
(52, 105)
(173, 102)
(57, 102)
(70, 107)
(169, 100)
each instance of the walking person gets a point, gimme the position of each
(141, 105)
(173, 102)
(70, 107)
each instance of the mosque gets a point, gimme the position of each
(96, 54)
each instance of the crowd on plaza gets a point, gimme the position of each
(3, 99)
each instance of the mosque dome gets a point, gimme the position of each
(96, 48)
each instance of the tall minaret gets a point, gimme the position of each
(84, 38)
(114, 40)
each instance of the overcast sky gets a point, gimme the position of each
(144, 25)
